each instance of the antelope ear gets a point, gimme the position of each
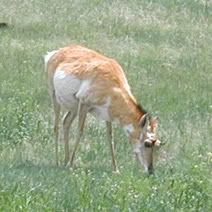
(155, 121)
(154, 124)
(144, 121)
(158, 144)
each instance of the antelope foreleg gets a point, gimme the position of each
(111, 143)
(82, 113)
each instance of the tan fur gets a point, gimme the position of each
(108, 80)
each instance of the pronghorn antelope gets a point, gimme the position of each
(84, 81)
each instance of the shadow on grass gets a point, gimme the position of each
(29, 168)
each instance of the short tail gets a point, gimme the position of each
(48, 56)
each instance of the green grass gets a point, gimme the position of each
(165, 49)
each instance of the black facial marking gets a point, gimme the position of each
(148, 144)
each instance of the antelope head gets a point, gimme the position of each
(148, 142)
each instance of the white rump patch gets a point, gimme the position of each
(60, 74)
(48, 56)
(66, 86)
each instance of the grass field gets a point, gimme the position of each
(165, 49)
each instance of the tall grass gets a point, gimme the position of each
(165, 49)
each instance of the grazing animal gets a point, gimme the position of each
(83, 81)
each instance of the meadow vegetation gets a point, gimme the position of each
(165, 49)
